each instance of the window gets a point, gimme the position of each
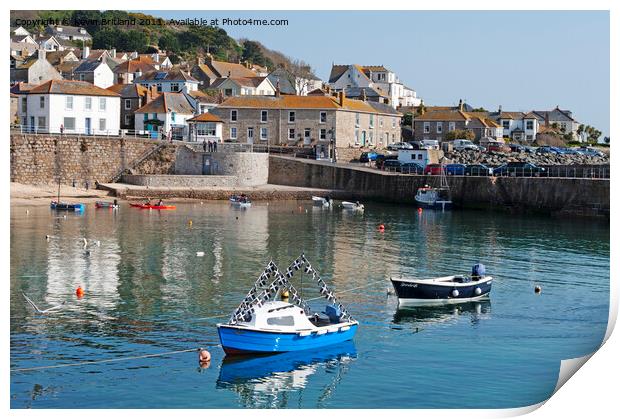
(563, 126)
(451, 126)
(281, 321)
(88, 103)
(427, 127)
(357, 120)
(263, 116)
(439, 127)
(127, 103)
(263, 133)
(370, 137)
(233, 115)
(102, 124)
(323, 134)
(173, 116)
(291, 133)
(102, 104)
(233, 133)
(307, 132)
(250, 133)
(393, 122)
(41, 123)
(207, 128)
(174, 87)
(357, 137)
(82, 77)
(127, 119)
(372, 121)
(529, 124)
(228, 92)
(69, 124)
(24, 105)
(528, 137)
(41, 102)
(291, 116)
(159, 88)
(380, 122)
(69, 103)
(323, 117)
(506, 124)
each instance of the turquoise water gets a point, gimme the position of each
(147, 292)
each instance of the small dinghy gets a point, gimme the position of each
(104, 204)
(63, 206)
(352, 206)
(444, 290)
(265, 322)
(319, 201)
(241, 201)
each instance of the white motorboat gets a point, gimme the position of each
(352, 206)
(319, 201)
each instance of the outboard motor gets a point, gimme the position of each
(477, 271)
(334, 313)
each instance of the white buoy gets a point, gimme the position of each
(455, 293)
(47, 237)
(64, 216)
(98, 243)
(477, 291)
(27, 212)
(200, 254)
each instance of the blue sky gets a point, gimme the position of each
(521, 60)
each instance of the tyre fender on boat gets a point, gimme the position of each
(477, 291)
(455, 293)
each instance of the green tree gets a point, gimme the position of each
(458, 134)
(407, 119)
(253, 53)
(168, 42)
(481, 109)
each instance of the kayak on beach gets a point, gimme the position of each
(155, 207)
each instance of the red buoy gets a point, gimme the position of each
(381, 227)
(79, 292)
(203, 356)
(419, 209)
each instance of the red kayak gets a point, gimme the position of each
(155, 207)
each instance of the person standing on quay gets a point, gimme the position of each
(214, 146)
(204, 145)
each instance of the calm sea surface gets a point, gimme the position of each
(147, 292)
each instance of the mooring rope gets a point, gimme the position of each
(101, 361)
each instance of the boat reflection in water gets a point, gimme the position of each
(273, 380)
(477, 310)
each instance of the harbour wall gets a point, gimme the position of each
(557, 196)
(42, 159)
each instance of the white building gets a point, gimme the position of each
(167, 114)
(377, 77)
(95, 72)
(519, 126)
(173, 80)
(71, 107)
(244, 86)
(205, 127)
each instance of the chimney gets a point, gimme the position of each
(546, 119)
(363, 94)
(41, 54)
(461, 105)
(113, 52)
(151, 93)
(85, 52)
(201, 60)
(278, 88)
(341, 98)
(209, 58)
(499, 110)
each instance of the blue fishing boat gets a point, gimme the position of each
(266, 322)
(63, 206)
(445, 289)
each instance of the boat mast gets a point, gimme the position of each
(58, 189)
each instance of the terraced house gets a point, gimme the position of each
(332, 125)
(435, 124)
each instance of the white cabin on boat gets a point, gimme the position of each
(279, 315)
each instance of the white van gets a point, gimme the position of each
(431, 144)
(461, 145)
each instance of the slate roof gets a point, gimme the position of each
(168, 102)
(88, 66)
(240, 81)
(173, 74)
(67, 30)
(556, 115)
(133, 66)
(71, 87)
(354, 92)
(128, 90)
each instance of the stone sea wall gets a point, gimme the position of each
(584, 197)
(41, 159)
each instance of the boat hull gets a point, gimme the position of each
(237, 340)
(436, 205)
(67, 207)
(424, 292)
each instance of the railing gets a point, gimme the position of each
(578, 172)
(38, 130)
(140, 159)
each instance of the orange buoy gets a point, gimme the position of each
(79, 291)
(419, 209)
(381, 227)
(203, 356)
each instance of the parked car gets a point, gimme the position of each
(481, 148)
(455, 169)
(519, 169)
(498, 147)
(517, 148)
(411, 168)
(383, 157)
(589, 151)
(391, 165)
(548, 150)
(400, 146)
(433, 169)
(478, 170)
(368, 156)
(431, 144)
(418, 145)
(461, 145)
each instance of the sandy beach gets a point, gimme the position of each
(22, 194)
